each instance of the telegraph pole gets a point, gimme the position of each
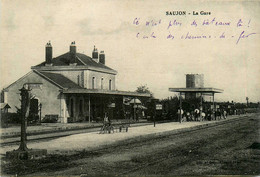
(25, 105)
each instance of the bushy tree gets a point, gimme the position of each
(144, 89)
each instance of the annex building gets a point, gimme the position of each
(74, 87)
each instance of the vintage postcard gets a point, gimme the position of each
(129, 88)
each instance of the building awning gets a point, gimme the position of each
(105, 92)
(196, 90)
(135, 101)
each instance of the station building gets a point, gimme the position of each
(74, 86)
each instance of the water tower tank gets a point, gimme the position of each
(194, 80)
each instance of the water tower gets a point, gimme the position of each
(194, 81)
(195, 89)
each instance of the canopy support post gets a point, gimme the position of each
(89, 109)
(180, 117)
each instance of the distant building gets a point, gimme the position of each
(195, 88)
(74, 86)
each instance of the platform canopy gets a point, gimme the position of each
(196, 90)
(106, 92)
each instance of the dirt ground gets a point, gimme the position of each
(228, 149)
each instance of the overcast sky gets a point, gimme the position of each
(158, 62)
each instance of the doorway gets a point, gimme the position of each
(33, 111)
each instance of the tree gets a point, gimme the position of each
(144, 89)
(144, 100)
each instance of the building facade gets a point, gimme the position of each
(74, 86)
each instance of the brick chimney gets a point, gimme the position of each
(73, 51)
(95, 54)
(48, 54)
(102, 57)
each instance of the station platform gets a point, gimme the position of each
(14, 131)
(92, 140)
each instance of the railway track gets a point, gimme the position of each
(169, 155)
(172, 155)
(150, 160)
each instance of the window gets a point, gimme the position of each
(110, 84)
(78, 79)
(93, 82)
(102, 79)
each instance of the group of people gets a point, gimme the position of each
(199, 115)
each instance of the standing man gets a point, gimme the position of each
(180, 113)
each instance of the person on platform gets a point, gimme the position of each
(196, 114)
(106, 124)
(188, 116)
(218, 114)
(224, 113)
(203, 115)
(180, 114)
(107, 121)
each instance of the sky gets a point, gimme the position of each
(153, 54)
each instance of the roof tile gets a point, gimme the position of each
(60, 80)
(64, 60)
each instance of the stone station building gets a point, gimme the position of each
(74, 87)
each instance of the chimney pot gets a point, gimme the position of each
(102, 57)
(48, 53)
(73, 48)
(73, 51)
(95, 54)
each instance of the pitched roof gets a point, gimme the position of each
(81, 60)
(88, 61)
(59, 79)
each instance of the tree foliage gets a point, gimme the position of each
(144, 89)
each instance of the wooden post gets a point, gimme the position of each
(134, 110)
(89, 108)
(154, 106)
(201, 107)
(7, 117)
(153, 101)
(40, 121)
(180, 117)
(214, 106)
